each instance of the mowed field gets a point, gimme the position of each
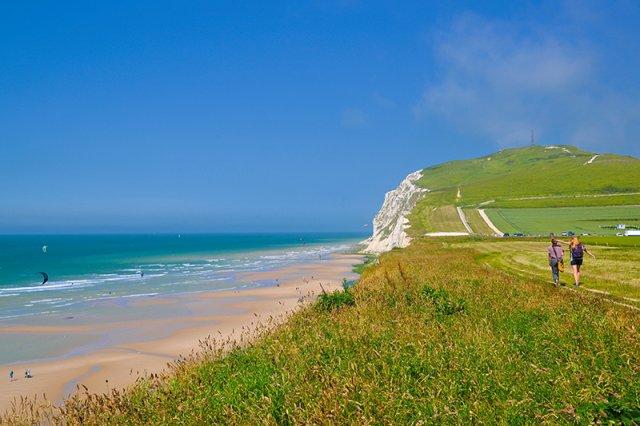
(543, 221)
(615, 271)
(478, 225)
(427, 218)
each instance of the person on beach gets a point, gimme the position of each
(11, 376)
(577, 251)
(555, 253)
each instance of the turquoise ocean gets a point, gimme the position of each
(84, 269)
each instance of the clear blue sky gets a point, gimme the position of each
(288, 116)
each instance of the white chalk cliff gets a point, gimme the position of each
(391, 221)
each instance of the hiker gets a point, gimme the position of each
(555, 253)
(577, 250)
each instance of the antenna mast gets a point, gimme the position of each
(533, 137)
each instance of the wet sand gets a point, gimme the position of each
(222, 314)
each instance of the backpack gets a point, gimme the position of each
(577, 251)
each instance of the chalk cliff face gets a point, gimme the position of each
(391, 221)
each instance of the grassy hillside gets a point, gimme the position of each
(533, 171)
(530, 177)
(431, 334)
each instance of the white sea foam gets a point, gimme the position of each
(139, 295)
(159, 278)
(55, 299)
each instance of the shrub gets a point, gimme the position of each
(347, 284)
(442, 302)
(336, 300)
(369, 260)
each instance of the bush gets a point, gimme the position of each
(336, 300)
(347, 284)
(443, 304)
(369, 260)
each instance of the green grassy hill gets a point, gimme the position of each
(530, 177)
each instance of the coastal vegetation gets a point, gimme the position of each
(368, 261)
(435, 333)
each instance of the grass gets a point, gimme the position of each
(569, 201)
(433, 336)
(338, 299)
(427, 217)
(555, 175)
(368, 261)
(616, 271)
(612, 241)
(422, 218)
(542, 221)
(446, 219)
(476, 222)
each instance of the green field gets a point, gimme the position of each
(430, 334)
(568, 201)
(543, 221)
(526, 178)
(610, 241)
(428, 218)
(615, 271)
(536, 172)
(478, 225)
(446, 219)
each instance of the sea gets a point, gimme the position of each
(83, 269)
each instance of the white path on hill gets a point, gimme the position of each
(559, 147)
(463, 218)
(591, 160)
(490, 224)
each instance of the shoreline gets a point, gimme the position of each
(223, 314)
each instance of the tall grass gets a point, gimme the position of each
(432, 336)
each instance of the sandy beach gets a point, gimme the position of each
(136, 347)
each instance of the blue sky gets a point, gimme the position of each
(288, 116)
